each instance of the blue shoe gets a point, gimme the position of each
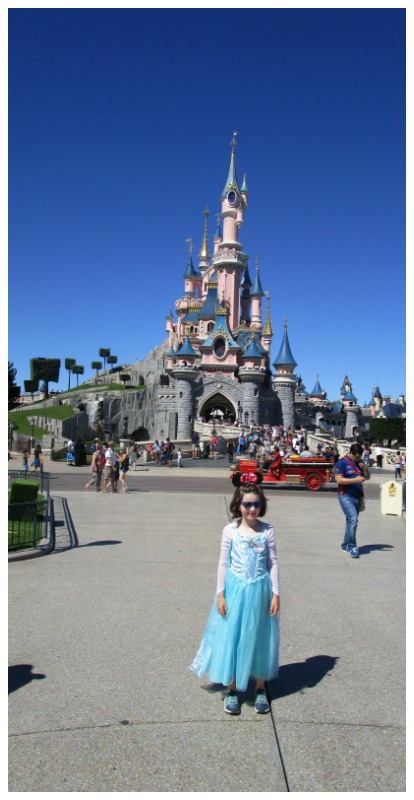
(353, 552)
(231, 703)
(262, 704)
(345, 548)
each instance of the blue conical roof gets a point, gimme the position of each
(231, 182)
(317, 390)
(350, 396)
(244, 188)
(284, 356)
(246, 282)
(170, 315)
(186, 348)
(190, 271)
(252, 349)
(257, 287)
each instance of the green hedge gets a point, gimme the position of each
(23, 491)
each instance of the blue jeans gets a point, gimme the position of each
(350, 506)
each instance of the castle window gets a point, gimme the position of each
(219, 347)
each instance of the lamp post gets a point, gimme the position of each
(125, 427)
(11, 429)
(246, 418)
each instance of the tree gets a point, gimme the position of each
(77, 370)
(104, 352)
(69, 363)
(45, 369)
(125, 378)
(31, 386)
(14, 391)
(112, 360)
(383, 429)
(96, 365)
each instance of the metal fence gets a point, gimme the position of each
(29, 524)
(42, 477)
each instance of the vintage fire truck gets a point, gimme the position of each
(313, 473)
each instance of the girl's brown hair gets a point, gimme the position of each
(241, 491)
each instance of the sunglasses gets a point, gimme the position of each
(256, 504)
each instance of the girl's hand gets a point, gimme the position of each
(274, 605)
(221, 604)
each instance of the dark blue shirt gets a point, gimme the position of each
(349, 469)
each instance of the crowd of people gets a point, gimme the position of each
(111, 465)
(263, 442)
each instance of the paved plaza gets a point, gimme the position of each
(102, 631)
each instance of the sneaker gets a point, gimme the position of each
(353, 552)
(344, 548)
(262, 704)
(231, 703)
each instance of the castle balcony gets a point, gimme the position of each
(230, 255)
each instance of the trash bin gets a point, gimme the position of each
(392, 498)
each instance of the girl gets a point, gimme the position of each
(123, 462)
(241, 639)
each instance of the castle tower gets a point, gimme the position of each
(185, 373)
(353, 415)
(252, 375)
(285, 380)
(229, 262)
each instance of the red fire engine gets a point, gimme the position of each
(310, 472)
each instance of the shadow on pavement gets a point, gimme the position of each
(303, 675)
(20, 675)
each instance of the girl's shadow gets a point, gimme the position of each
(295, 678)
(292, 678)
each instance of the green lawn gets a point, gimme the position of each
(22, 416)
(20, 532)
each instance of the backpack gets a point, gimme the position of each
(100, 462)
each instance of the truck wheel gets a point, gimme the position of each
(313, 482)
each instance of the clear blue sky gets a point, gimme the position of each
(119, 130)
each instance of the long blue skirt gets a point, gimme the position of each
(245, 643)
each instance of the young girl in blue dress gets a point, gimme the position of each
(241, 638)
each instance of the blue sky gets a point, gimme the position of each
(120, 124)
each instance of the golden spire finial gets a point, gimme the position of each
(233, 142)
(267, 330)
(190, 245)
(204, 252)
(285, 323)
(257, 262)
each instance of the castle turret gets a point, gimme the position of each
(353, 415)
(256, 294)
(285, 380)
(185, 373)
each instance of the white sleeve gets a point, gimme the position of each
(272, 560)
(226, 538)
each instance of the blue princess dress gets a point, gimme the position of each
(244, 643)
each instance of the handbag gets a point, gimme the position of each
(362, 506)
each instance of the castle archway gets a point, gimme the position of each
(218, 406)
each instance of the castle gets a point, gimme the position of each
(217, 358)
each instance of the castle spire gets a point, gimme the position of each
(267, 330)
(204, 252)
(257, 287)
(231, 182)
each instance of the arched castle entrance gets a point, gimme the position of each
(218, 405)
